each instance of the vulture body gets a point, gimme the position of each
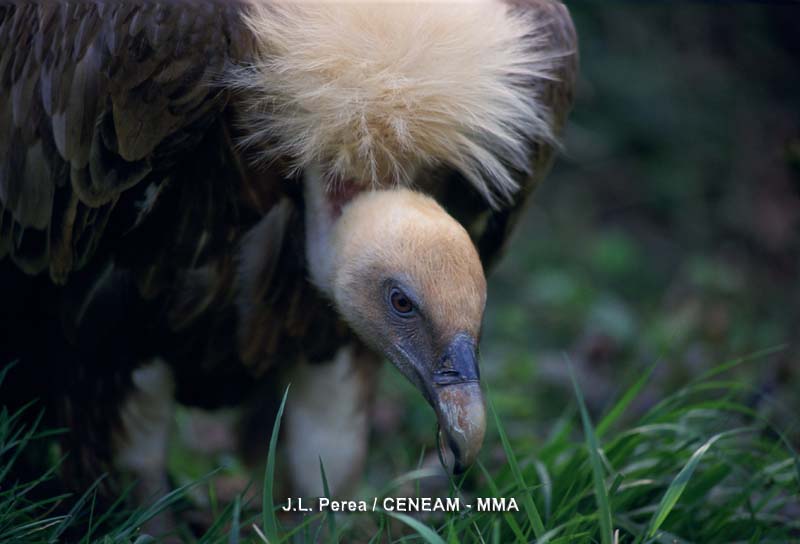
(220, 185)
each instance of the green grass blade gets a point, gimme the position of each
(797, 467)
(412, 476)
(332, 536)
(23, 532)
(600, 492)
(527, 500)
(269, 520)
(547, 488)
(515, 528)
(300, 532)
(115, 505)
(496, 531)
(18, 445)
(679, 483)
(233, 536)
(619, 408)
(216, 530)
(427, 534)
(376, 537)
(5, 369)
(138, 517)
(724, 367)
(88, 536)
(452, 532)
(75, 510)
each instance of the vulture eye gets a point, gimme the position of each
(401, 304)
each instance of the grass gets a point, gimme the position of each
(598, 473)
(698, 466)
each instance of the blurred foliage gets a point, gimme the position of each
(670, 228)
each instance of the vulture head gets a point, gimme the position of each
(407, 279)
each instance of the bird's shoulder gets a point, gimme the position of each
(98, 98)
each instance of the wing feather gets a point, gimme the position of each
(92, 104)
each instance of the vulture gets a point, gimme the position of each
(202, 201)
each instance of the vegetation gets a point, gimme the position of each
(698, 466)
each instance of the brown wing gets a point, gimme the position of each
(254, 305)
(119, 178)
(96, 97)
(491, 229)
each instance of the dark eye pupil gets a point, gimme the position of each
(401, 302)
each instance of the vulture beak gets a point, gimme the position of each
(455, 394)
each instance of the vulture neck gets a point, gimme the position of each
(324, 206)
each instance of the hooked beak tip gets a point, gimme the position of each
(462, 422)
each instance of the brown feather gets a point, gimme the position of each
(69, 69)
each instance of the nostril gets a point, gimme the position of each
(458, 364)
(446, 363)
(447, 374)
(446, 370)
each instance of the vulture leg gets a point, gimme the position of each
(141, 446)
(327, 417)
